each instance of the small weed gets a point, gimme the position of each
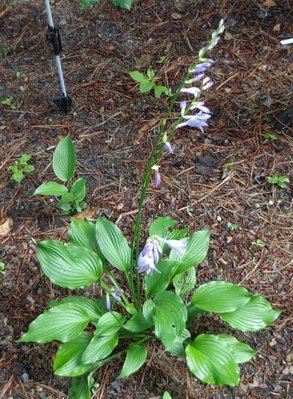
(20, 74)
(258, 243)
(162, 60)
(9, 102)
(280, 181)
(270, 136)
(20, 168)
(6, 49)
(228, 167)
(147, 83)
(2, 267)
(232, 226)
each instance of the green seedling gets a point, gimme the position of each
(232, 226)
(71, 194)
(227, 167)
(117, 3)
(162, 60)
(2, 267)
(280, 181)
(148, 82)
(20, 168)
(6, 49)
(258, 243)
(270, 136)
(9, 102)
(166, 395)
(20, 75)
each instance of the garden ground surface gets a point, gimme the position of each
(113, 127)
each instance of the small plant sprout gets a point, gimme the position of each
(159, 299)
(232, 226)
(166, 395)
(162, 59)
(2, 267)
(20, 168)
(228, 167)
(270, 136)
(117, 3)
(20, 75)
(6, 49)
(148, 82)
(71, 194)
(258, 243)
(277, 180)
(9, 102)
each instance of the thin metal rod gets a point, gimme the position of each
(57, 57)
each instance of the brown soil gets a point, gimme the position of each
(113, 127)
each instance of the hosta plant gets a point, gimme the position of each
(145, 292)
(71, 193)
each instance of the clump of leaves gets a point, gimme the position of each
(270, 136)
(2, 267)
(9, 101)
(277, 180)
(232, 226)
(117, 3)
(20, 168)
(228, 167)
(147, 82)
(71, 194)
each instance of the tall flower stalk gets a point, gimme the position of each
(194, 75)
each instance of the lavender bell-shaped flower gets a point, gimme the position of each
(198, 121)
(149, 257)
(179, 246)
(168, 148)
(108, 302)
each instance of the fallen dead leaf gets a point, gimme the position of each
(5, 227)
(88, 214)
(269, 3)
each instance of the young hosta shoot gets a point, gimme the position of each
(93, 331)
(20, 168)
(71, 194)
(143, 293)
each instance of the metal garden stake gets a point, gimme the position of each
(63, 101)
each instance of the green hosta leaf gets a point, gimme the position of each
(177, 348)
(61, 323)
(160, 226)
(68, 357)
(220, 297)
(177, 234)
(66, 208)
(64, 159)
(80, 388)
(137, 323)
(28, 168)
(197, 248)
(169, 316)
(253, 316)
(185, 282)
(99, 348)
(113, 244)
(51, 188)
(146, 86)
(212, 361)
(89, 306)
(109, 324)
(68, 265)
(24, 158)
(241, 352)
(83, 233)
(123, 3)
(135, 357)
(138, 76)
(166, 395)
(78, 190)
(148, 311)
(157, 282)
(87, 3)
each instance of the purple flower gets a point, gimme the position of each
(207, 83)
(157, 178)
(202, 67)
(179, 246)
(149, 257)
(198, 121)
(168, 148)
(108, 302)
(191, 90)
(116, 294)
(198, 77)
(200, 105)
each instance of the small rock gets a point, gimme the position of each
(228, 36)
(208, 161)
(116, 386)
(24, 378)
(176, 16)
(204, 170)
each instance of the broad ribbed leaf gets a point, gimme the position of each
(157, 282)
(166, 395)
(185, 282)
(135, 357)
(160, 226)
(212, 361)
(80, 388)
(253, 316)
(177, 348)
(241, 352)
(99, 348)
(169, 316)
(197, 249)
(64, 159)
(109, 324)
(148, 310)
(78, 190)
(122, 3)
(51, 188)
(83, 233)
(89, 306)
(69, 266)
(61, 323)
(113, 244)
(137, 323)
(68, 357)
(220, 297)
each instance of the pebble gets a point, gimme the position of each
(24, 378)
